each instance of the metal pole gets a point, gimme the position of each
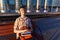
(45, 6)
(57, 9)
(57, 5)
(37, 6)
(28, 5)
(17, 4)
(2, 7)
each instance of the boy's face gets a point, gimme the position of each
(22, 11)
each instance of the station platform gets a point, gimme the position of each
(47, 26)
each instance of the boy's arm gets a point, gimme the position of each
(15, 25)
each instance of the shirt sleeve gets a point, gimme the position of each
(30, 24)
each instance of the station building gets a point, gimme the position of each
(31, 5)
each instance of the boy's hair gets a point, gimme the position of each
(21, 7)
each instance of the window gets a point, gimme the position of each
(10, 5)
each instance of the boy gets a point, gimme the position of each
(23, 26)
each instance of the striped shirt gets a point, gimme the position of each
(20, 22)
